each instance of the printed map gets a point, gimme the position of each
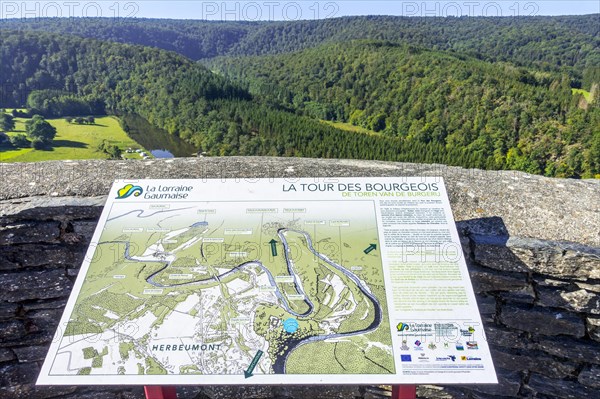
(231, 288)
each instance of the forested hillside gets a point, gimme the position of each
(509, 116)
(64, 74)
(570, 43)
(548, 43)
(498, 93)
(194, 39)
(61, 74)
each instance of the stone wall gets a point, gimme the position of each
(532, 246)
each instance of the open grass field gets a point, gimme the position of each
(72, 141)
(586, 94)
(349, 127)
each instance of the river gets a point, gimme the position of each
(159, 142)
(291, 343)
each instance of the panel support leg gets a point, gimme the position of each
(160, 392)
(404, 391)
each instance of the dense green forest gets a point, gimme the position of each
(63, 73)
(194, 39)
(496, 93)
(569, 43)
(510, 116)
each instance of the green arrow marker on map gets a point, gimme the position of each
(253, 363)
(273, 247)
(370, 248)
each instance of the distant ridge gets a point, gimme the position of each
(544, 41)
(493, 93)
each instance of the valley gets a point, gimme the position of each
(460, 92)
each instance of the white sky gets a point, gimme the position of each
(287, 10)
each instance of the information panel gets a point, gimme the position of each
(272, 281)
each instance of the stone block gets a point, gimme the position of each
(74, 272)
(590, 377)
(493, 252)
(509, 384)
(369, 395)
(485, 280)
(137, 392)
(5, 262)
(569, 348)
(593, 327)
(12, 329)
(533, 361)
(478, 395)
(588, 287)
(33, 337)
(99, 393)
(251, 392)
(378, 391)
(30, 233)
(183, 391)
(542, 321)
(560, 388)
(22, 286)
(6, 355)
(313, 392)
(31, 255)
(84, 230)
(563, 260)
(18, 374)
(32, 353)
(551, 282)
(579, 300)
(44, 319)
(552, 258)
(45, 304)
(465, 244)
(438, 392)
(497, 336)
(68, 209)
(487, 307)
(30, 391)
(8, 310)
(523, 296)
(489, 226)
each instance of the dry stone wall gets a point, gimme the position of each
(532, 246)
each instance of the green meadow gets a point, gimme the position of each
(73, 141)
(349, 127)
(586, 94)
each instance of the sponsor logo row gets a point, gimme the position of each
(440, 329)
(447, 358)
(459, 346)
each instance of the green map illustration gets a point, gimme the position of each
(225, 288)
